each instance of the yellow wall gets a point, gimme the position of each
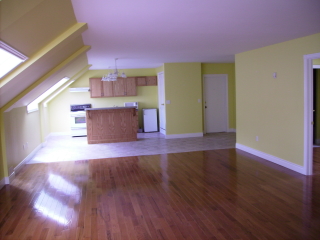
(21, 129)
(225, 68)
(183, 88)
(59, 108)
(273, 109)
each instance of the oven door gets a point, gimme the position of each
(78, 123)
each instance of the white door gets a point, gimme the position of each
(216, 102)
(161, 101)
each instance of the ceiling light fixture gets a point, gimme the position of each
(113, 76)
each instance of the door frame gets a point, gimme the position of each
(160, 129)
(308, 113)
(204, 99)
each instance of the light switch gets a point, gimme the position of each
(168, 101)
(199, 100)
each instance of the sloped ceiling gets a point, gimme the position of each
(48, 33)
(148, 33)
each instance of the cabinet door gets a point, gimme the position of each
(95, 87)
(131, 87)
(141, 81)
(151, 81)
(107, 88)
(119, 87)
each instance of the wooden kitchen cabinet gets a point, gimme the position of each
(131, 87)
(100, 88)
(141, 81)
(120, 88)
(146, 81)
(107, 89)
(96, 88)
(107, 125)
(124, 87)
(152, 81)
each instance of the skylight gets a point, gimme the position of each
(9, 58)
(33, 106)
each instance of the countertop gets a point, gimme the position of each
(109, 108)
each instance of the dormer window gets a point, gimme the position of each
(33, 106)
(9, 58)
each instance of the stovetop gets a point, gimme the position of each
(79, 107)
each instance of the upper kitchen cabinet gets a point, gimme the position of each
(124, 87)
(146, 81)
(96, 88)
(152, 81)
(100, 88)
(120, 88)
(107, 88)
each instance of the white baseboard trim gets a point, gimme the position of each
(163, 131)
(27, 159)
(271, 158)
(185, 135)
(9, 179)
(231, 130)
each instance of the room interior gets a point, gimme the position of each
(268, 71)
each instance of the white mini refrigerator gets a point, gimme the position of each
(150, 120)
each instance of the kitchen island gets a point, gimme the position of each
(114, 124)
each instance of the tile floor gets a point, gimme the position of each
(66, 148)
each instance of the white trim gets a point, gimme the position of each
(2, 183)
(204, 98)
(9, 179)
(163, 131)
(185, 135)
(27, 159)
(232, 130)
(271, 158)
(308, 113)
(316, 66)
(13, 51)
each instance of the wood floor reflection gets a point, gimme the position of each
(217, 194)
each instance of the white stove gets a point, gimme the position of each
(78, 120)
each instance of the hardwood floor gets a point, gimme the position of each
(216, 194)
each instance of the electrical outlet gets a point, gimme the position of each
(257, 139)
